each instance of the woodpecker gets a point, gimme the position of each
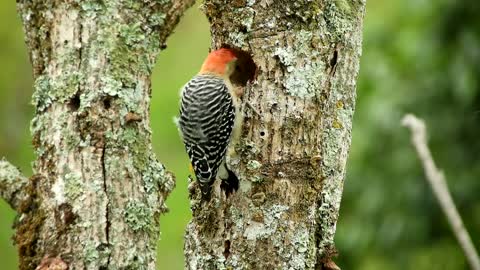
(210, 118)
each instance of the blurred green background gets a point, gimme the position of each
(418, 56)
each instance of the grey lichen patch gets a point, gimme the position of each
(247, 148)
(257, 179)
(237, 39)
(95, 252)
(133, 35)
(303, 65)
(41, 98)
(247, 19)
(90, 6)
(308, 12)
(328, 215)
(111, 86)
(45, 138)
(344, 6)
(341, 18)
(303, 255)
(128, 90)
(337, 128)
(72, 140)
(156, 179)
(139, 216)
(74, 187)
(154, 176)
(335, 140)
(253, 165)
(132, 140)
(48, 91)
(37, 130)
(301, 240)
(91, 252)
(245, 186)
(157, 19)
(272, 220)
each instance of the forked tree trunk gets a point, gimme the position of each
(292, 153)
(97, 190)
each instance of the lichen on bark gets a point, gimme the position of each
(291, 157)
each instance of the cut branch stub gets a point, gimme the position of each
(12, 184)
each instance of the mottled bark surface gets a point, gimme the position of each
(97, 189)
(291, 156)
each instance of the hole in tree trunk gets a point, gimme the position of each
(226, 252)
(245, 69)
(74, 103)
(243, 29)
(107, 103)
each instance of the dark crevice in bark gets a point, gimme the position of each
(226, 251)
(226, 231)
(333, 61)
(107, 210)
(80, 50)
(74, 103)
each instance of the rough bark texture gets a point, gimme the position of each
(97, 189)
(291, 156)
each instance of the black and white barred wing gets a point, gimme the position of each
(207, 116)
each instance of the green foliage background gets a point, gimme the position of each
(419, 56)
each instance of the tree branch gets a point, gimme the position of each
(439, 186)
(12, 183)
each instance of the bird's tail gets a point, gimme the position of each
(205, 188)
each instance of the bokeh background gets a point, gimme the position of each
(418, 56)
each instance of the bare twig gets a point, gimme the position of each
(439, 186)
(12, 183)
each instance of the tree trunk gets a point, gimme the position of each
(295, 140)
(97, 189)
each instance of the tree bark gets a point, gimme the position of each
(291, 156)
(97, 189)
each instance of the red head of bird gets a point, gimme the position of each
(219, 62)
